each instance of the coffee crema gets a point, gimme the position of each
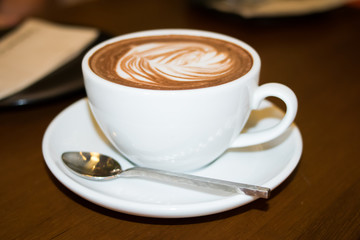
(170, 62)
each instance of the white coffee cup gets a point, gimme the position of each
(182, 130)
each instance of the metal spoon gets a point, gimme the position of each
(96, 166)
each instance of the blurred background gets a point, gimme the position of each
(280, 30)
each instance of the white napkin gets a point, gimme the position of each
(37, 48)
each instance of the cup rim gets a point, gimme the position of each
(173, 31)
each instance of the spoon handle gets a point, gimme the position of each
(196, 181)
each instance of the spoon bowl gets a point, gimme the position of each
(96, 166)
(92, 165)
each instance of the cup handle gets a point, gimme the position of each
(270, 90)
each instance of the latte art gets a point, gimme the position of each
(176, 61)
(171, 62)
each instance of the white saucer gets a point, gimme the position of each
(74, 129)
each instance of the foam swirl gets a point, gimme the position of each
(175, 61)
(171, 62)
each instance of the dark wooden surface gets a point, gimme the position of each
(317, 56)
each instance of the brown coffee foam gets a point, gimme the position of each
(103, 62)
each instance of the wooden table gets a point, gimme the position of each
(317, 56)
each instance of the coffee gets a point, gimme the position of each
(206, 121)
(171, 62)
